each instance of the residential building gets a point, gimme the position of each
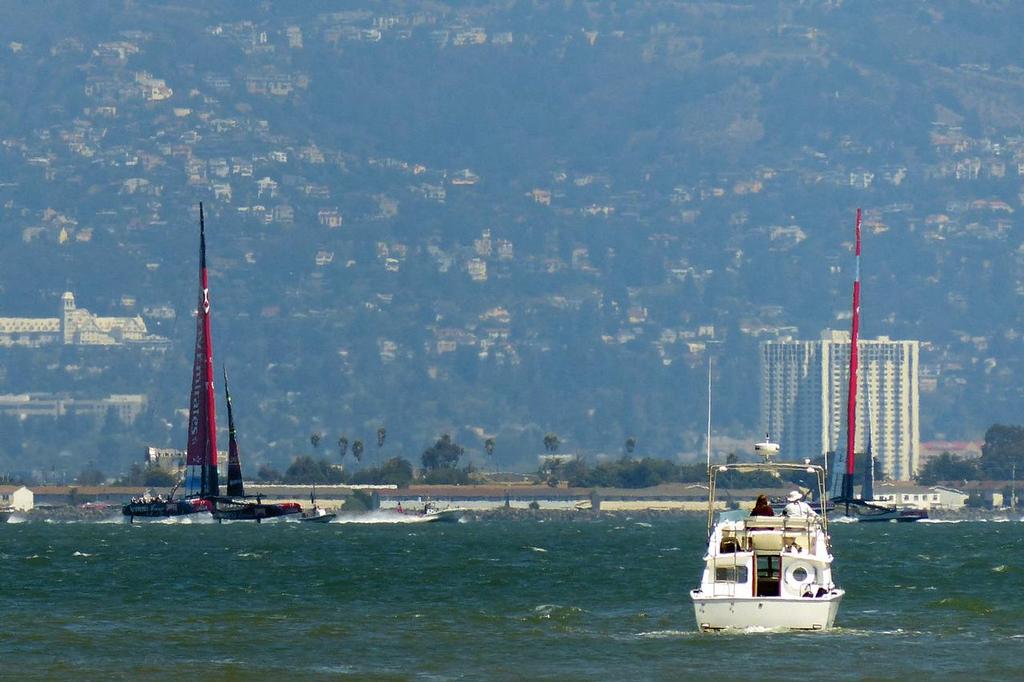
(171, 460)
(16, 497)
(804, 389)
(908, 495)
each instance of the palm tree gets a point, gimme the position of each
(381, 435)
(551, 442)
(630, 445)
(342, 451)
(315, 439)
(489, 449)
(357, 450)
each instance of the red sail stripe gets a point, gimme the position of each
(851, 404)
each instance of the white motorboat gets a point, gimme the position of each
(317, 515)
(770, 572)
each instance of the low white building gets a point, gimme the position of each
(16, 497)
(907, 495)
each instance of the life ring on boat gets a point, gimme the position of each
(800, 574)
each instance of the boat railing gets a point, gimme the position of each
(776, 469)
(781, 522)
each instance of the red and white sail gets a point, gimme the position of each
(201, 458)
(841, 487)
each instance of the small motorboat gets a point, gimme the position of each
(317, 515)
(772, 572)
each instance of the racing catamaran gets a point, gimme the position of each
(235, 506)
(201, 484)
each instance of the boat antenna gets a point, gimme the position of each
(708, 439)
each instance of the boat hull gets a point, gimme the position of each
(742, 613)
(445, 515)
(254, 511)
(154, 509)
(317, 516)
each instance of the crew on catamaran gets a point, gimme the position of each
(762, 507)
(797, 506)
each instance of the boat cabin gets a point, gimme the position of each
(760, 556)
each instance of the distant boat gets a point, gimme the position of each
(6, 513)
(316, 514)
(201, 485)
(235, 506)
(430, 513)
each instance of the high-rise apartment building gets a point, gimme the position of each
(804, 387)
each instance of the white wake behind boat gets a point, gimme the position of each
(772, 572)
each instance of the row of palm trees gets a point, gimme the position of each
(551, 444)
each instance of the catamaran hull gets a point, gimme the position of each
(156, 511)
(256, 511)
(741, 613)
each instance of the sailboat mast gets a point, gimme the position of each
(709, 414)
(851, 404)
(201, 457)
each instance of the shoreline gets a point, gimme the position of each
(76, 514)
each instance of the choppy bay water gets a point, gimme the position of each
(523, 599)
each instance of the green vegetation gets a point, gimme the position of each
(1002, 459)
(648, 471)
(148, 476)
(304, 469)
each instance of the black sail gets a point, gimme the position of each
(235, 486)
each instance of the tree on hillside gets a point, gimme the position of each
(444, 454)
(948, 467)
(90, 476)
(305, 469)
(397, 471)
(1003, 448)
(268, 474)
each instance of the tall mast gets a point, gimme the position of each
(851, 404)
(709, 413)
(201, 458)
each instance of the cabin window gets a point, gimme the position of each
(730, 574)
(799, 574)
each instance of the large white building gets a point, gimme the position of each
(804, 388)
(75, 326)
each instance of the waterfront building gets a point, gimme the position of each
(804, 388)
(171, 460)
(16, 497)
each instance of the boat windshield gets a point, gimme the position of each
(733, 515)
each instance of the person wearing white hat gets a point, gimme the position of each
(797, 506)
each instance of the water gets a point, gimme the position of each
(520, 599)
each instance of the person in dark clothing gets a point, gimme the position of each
(762, 507)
